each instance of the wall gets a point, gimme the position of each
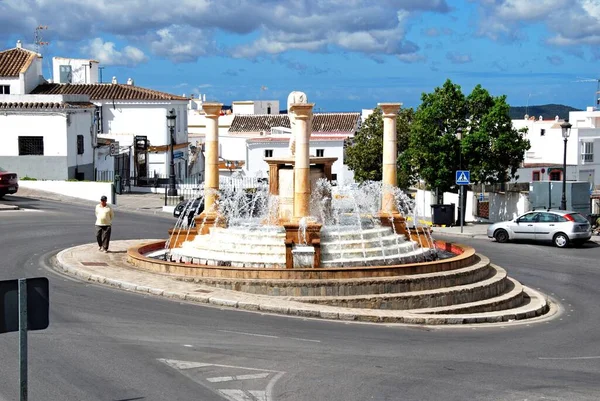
(507, 206)
(81, 125)
(548, 148)
(14, 83)
(232, 147)
(40, 167)
(33, 76)
(83, 190)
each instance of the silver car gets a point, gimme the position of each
(562, 227)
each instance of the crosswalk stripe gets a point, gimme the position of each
(240, 395)
(240, 377)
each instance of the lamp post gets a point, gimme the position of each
(566, 131)
(459, 133)
(171, 124)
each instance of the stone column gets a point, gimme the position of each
(302, 131)
(211, 175)
(390, 154)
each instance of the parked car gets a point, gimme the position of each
(9, 182)
(191, 208)
(562, 227)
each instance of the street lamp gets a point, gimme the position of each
(459, 133)
(171, 124)
(566, 131)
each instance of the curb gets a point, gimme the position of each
(296, 308)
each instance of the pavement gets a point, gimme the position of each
(87, 263)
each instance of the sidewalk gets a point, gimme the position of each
(148, 203)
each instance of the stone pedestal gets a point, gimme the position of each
(178, 235)
(205, 221)
(293, 235)
(396, 221)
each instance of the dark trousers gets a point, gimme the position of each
(103, 236)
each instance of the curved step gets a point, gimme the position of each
(513, 297)
(461, 294)
(358, 286)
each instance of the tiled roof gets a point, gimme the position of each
(14, 61)
(269, 139)
(45, 105)
(105, 92)
(322, 122)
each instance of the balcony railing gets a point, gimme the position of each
(587, 157)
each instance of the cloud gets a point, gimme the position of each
(458, 58)
(569, 22)
(555, 60)
(106, 53)
(273, 27)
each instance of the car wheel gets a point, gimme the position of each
(501, 236)
(561, 240)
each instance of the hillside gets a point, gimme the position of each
(547, 111)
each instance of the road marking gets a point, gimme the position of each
(247, 334)
(268, 336)
(240, 395)
(182, 365)
(240, 377)
(574, 358)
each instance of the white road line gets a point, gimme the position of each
(247, 334)
(306, 339)
(574, 358)
(240, 377)
(240, 395)
(182, 365)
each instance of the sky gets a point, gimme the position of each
(346, 55)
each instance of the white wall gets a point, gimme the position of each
(81, 71)
(507, 206)
(14, 83)
(81, 124)
(77, 189)
(232, 147)
(33, 76)
(547, 148)
(51, 126)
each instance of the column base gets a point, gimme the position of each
(205, 221)
(311, 237)
(396, 221)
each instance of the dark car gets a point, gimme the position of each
(190, 208)
(9, 182)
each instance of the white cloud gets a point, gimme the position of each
(106, 53)
(274, 26)
(458, 58)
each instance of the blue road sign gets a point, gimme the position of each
(177, 155)
(463, 177)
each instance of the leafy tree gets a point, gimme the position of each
(365, 153)
(490, 148)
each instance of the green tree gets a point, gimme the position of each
(364, 154)
(490, 148)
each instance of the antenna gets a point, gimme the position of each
(39, 43)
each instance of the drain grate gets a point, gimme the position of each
(94, 263)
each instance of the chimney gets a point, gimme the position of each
(541, 119)
(129, 81)
(19, 44)
(114, 80)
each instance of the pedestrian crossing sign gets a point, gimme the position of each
(463, 177)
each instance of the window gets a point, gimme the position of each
(4, 89)
(542, 132)
(555, 175)
(530, 217)
(535, 176)
(269, 110)
(31, 145)
(587, 151)
(268, 152)
(547, 218)
(320, 152)
(98, 119)
(79, 144)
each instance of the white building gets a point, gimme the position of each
(124, 113)
(46, 137)
(252, 138)
(75, 71)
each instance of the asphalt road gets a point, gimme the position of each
(104, 344)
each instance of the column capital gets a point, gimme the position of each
(301, 110)
(389, 109)
(212, 110)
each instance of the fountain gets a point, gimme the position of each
(349, 245)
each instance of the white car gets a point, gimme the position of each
(562, 227)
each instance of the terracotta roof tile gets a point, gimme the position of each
(338, 123)
(45, 105)
(105, 92)
(14, 61)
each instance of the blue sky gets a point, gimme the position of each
(345, 54)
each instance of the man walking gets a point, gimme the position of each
(104, 216)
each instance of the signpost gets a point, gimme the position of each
(24, 305)
(463, 177)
